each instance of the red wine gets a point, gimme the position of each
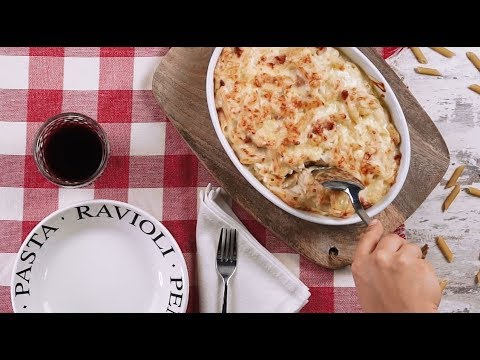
(73, 152)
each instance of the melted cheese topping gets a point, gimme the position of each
(281, 108)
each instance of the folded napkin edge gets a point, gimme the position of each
(213, 206)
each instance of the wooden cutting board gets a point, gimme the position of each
(179, 87)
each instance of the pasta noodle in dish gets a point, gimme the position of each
(282, 109)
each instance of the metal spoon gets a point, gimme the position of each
(337, 179)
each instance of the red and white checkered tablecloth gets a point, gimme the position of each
(150, 164)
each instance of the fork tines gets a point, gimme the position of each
(227, 245)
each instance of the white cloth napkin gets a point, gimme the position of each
(261, 283)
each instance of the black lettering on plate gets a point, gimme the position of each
(46, 229)
(178, 283)
(120, 216)
(168, 251)
(34, 241)
(147, 221)
(104, 210)
(161, 249)
(84, 212)
(23, 274)
(134, 219)
(157, 238)
(22, 290)
(30, 254)
(176, 297)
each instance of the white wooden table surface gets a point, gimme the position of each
(456, 112)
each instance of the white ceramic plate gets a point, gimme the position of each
(396, 113)
(100, 256)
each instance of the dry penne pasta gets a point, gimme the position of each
(419, 55)
(443, 284)
(444, 51)
(474, 191)
(427, 71)
(448, 201)
(424, 251)
(475, 88)
(477, 278)
(474, 59)
(442, 245)
(456, 174)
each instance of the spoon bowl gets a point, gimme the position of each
(337, 179)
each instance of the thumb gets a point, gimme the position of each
(370, 238)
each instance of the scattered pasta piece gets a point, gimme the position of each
(477, 278)
(444, 51)
(448, 201)
(427, 71)
(475, 88)
(456, 174)
(443, 284)
(474, 59)
(419, 55)
(424, 251)
(474, 191)
(442, 245)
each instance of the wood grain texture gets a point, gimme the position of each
(179, 87)
(455, 110)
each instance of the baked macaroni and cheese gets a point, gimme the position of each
(283, 109)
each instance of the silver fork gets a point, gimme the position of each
(226, 259)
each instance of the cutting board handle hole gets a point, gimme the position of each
(333, 251)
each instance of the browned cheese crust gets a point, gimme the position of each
(283, 107)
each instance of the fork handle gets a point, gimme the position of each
(225, 292)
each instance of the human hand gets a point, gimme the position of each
(391, 276)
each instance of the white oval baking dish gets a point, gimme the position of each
(397, 116)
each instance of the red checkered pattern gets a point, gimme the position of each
(149, 159)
